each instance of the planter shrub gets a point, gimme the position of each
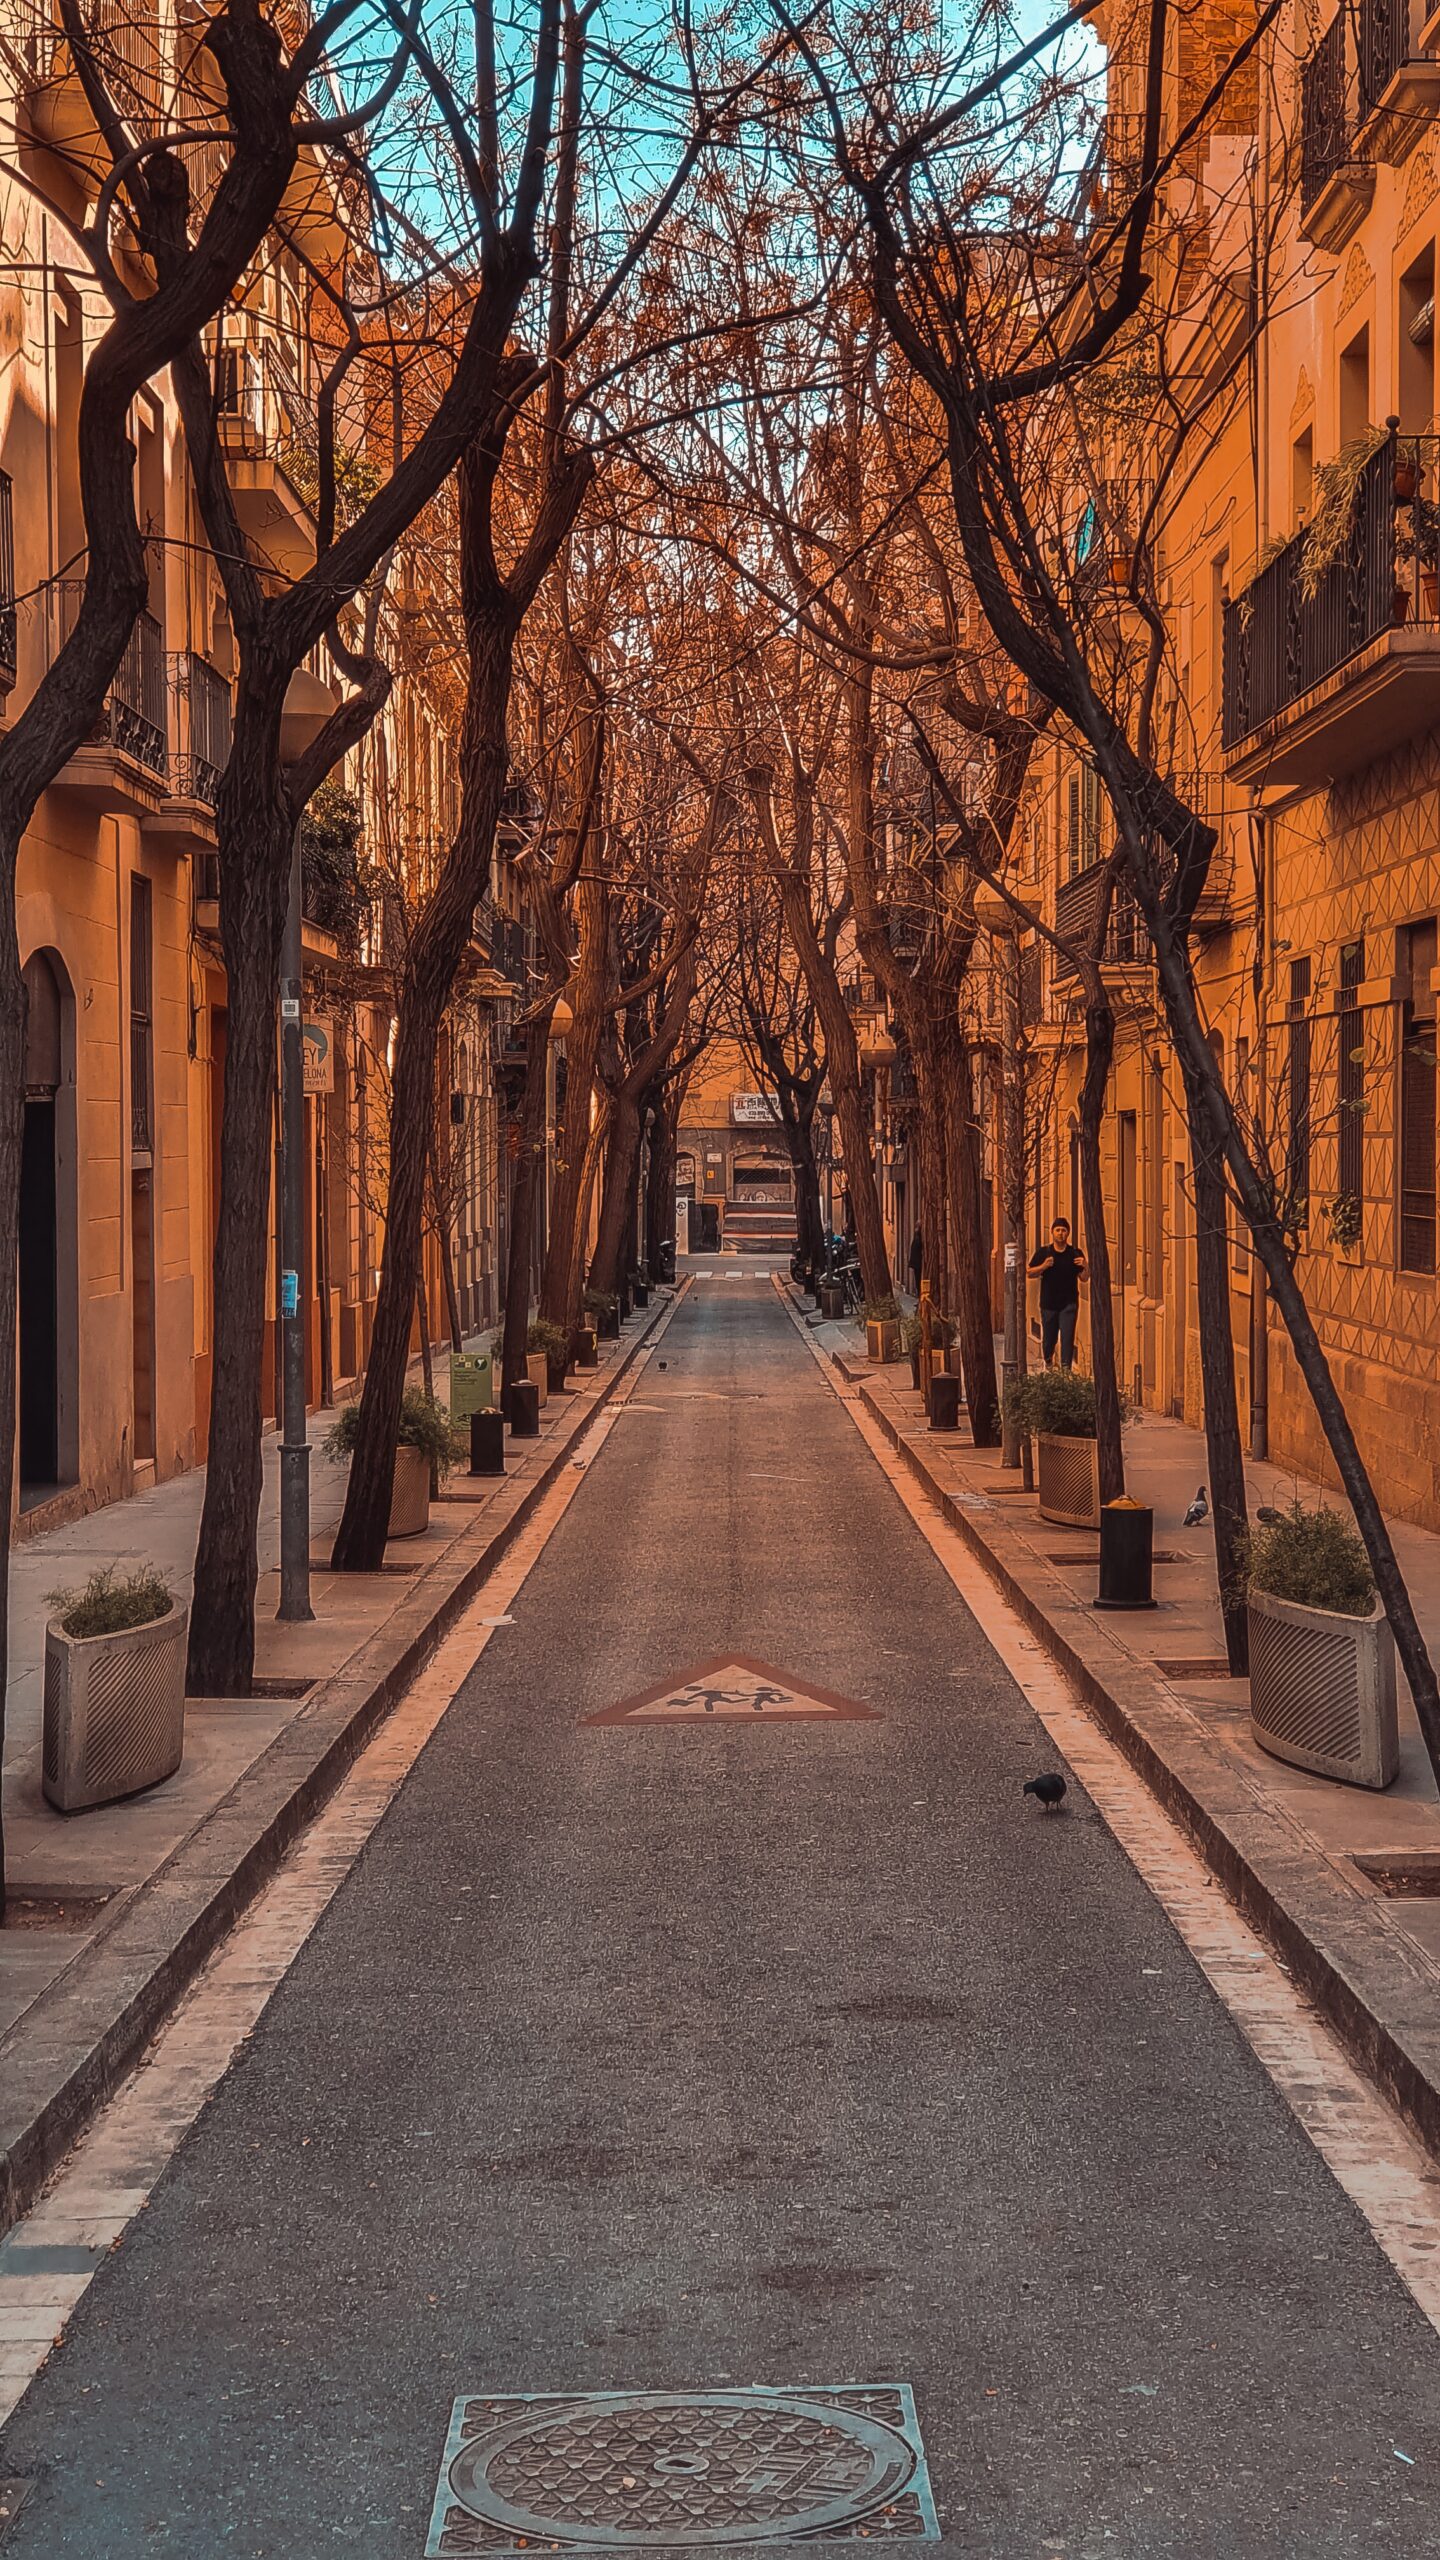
(1056, 1407)
(114, 1714)
(553, 1343)
(880, 1318)
(1322, 1657)
(424, 1454)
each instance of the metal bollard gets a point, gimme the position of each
(944, 1402)
(522, 1409)
(1127, 1549)
(587, 1348)
(487, 1442)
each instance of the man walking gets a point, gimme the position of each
(1061, 1266)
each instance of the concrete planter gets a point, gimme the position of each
(409, 1493)
(537, 1370)
(882, 1339)
(1322, 1690)
(114, 1711)
(1067, 1475)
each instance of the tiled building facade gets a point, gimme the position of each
(1296, 560)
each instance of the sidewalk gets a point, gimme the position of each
(1283, 1843)
(117, 1909)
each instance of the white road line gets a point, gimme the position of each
(107, 2178)
(1369, 2151)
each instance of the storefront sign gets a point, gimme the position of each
(318, 1051)
(754, 1110)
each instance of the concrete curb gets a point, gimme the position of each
(75, 2044)
(1375, 1987)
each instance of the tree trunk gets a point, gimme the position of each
(1099, 1052)
(1217, 1131)
(1224, 1450)
(660, 1191)
(976, 1331)
(437, 947)
(515, 1342)
(610, 1264)
(255, 834)
(564, 1254)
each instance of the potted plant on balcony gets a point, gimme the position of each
(1056, 1408)
(553, 1344)
(1322, 1657)
(424, 1455)
(114, 1714)
(1337, 486)
(881, 1320)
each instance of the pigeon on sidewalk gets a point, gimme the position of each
(1199, 1510)
(1049, 1789)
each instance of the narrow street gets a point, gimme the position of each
(710, 2046)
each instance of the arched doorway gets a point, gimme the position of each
(49, 1362)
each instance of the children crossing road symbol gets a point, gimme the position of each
(730, 1688)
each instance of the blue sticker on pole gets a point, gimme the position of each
(289, 1293)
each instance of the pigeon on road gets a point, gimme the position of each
(1267, 1515)
(1049, 1788)
(1199, 1510)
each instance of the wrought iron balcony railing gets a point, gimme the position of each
(1325, 112)
(134, 718)
(1305, 615)
(200, 727)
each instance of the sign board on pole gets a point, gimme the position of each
(317, 1048)
(472, 1384)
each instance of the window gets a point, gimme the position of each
(1415, 345)
(141, 1015)
(1348, 1212)
(1416, 1112)
(1154, 1190)
(1082, 829)
(1355, 388)
(1302, 476)
(1297, 1098)
(1244, 1110)
(1128, 1205)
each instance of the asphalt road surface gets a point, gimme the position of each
(672, 2056)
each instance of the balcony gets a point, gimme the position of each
(1336, 182)
(270, 436)
(1323, 674)
(1077, 921)
(199, 752)
(124, 764)
(510, 951)
(8, 657)
(1399, 87)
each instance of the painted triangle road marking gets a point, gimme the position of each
(734, 1686)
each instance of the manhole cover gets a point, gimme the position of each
(651, 2470)
(734, 1685)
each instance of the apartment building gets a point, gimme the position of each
(1294, 556)
(117, 894)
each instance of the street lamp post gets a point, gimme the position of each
(308, 705)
